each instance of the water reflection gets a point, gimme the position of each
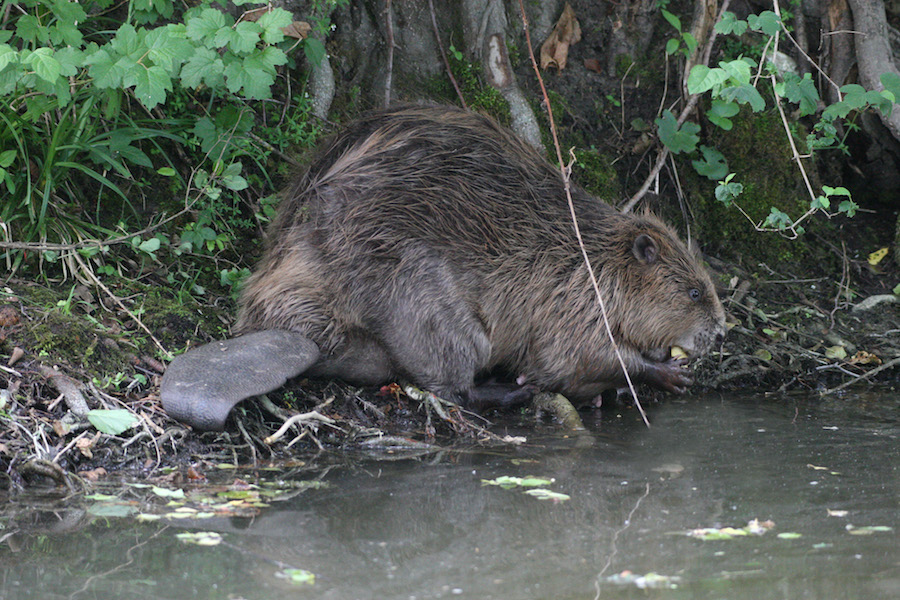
(429, 528)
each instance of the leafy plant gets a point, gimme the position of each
(732, 84)
(97, 98)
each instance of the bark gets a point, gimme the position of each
(873, 52)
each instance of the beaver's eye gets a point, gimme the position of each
(695, 294)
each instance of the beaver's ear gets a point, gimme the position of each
(645, 249)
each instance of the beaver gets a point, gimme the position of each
(431, 244)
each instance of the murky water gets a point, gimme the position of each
(821, 477)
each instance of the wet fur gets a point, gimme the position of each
(431, 244)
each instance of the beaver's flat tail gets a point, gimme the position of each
(201, 386)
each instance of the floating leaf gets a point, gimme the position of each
(167, 493)
(107, 509)
(298, 576)
(542, 494)
(868, 530)
(200, 538)
(508, 482)
(789, 535)
(112, 422)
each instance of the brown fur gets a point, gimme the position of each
(430, 243)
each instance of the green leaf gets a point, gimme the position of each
(166, 171)
(744, 94)
(204, 66)
(738, 70)
(729, 23)
(713, 165)
(314, 50)
(849, 207)
(127, 41)
(7, 158)
(891, 82)
(802, 92)
(45, 65)
(107, 73)
(166, 50)
(672, 19)
(255, 74)
(29, 29)
(767, 21)
(835, 191)
(7, 55)
(683, 139)
(206, 25)
(777, 219)
(702, 79)
(689, 41)
(112, 422)
(150, 85)
(244, 37)
(672, 46)
(272, 23)
(720, 113)
(150, 245)
(64, 33)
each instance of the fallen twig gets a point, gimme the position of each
(302, 418)
(889, 364)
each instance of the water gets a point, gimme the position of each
(429, 528)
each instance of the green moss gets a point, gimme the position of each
(759, 153)
(594, 172)
(176, 321)
(624, 62)
(479, 95)
(76, 341)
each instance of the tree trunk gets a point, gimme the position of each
(873, 52)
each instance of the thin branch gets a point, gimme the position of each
(390, 52)
(564, 171)
(440, 45)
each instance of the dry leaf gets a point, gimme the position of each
(555, 50)
(865, 358)
(298, 30)
(592, 64)
(93, 474)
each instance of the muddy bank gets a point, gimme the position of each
(62, 358)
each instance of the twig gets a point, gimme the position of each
(390, 52)
(889, 364)
(440, 45)
(302, 418)
(618, 532)
(567, 186)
